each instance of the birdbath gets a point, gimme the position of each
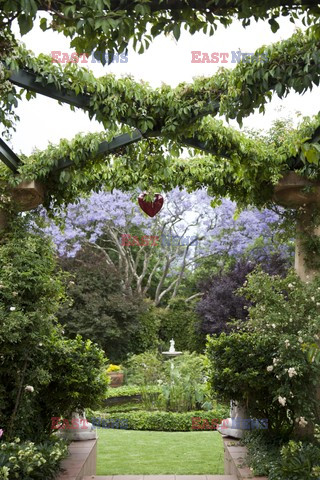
(171, 353)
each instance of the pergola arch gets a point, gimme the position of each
(183, 115)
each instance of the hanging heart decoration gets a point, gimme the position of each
(151, 208)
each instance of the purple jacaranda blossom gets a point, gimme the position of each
(220, 230)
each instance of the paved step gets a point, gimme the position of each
(161, 477)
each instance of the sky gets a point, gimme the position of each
(43, 120)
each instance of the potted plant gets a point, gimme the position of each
(116, 375)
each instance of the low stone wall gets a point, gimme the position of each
(82, 461)
(234, 460)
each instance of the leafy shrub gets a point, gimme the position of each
(146, 336)
(42, 374)
(266, 365)
(97, 309)
(163, 421)
(131, 390)
(263, 451)
(299, 461)
(145, 368)
(192, 365)
(78, 377)
(269, 456)
(221, 302)
(179, 321)
(28, 461)
(184, 388)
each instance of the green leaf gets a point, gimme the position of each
(176, 31)
(274, 25)
(25, 24)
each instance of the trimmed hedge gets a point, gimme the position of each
(131, 391)
(164, 421)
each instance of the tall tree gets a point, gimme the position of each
(155, 261)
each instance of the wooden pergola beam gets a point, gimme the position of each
(8, 157)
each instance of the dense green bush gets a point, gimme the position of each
(167, 421)
(179, 321)
(278, 460)
(131, 390)
(42, 374)
(146, 336)
(266, 365)
(185, 387)
(28, 461)
(98, 310)
(145, 369)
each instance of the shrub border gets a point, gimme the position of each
(165, 421)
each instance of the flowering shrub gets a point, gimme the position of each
(28, 461)
(266, 364)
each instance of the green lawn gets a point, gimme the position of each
(124, 452)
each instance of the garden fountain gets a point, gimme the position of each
(171, 353)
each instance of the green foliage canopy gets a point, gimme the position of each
(110, 24)
(243, 167)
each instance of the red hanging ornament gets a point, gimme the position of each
(151, 208)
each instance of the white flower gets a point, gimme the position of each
(302, 422)
(270, 368)
(282, 400)
(275, 361)
(313, 299)
(292, 372)
(290, 285)
(287, 343)
(12, 309)
(29, 388)
(300, 340)
(273, 325)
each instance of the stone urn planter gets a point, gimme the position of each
(294, 191)
(116, 379)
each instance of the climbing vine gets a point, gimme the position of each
(101, 25)
(240, 166)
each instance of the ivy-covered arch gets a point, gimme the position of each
(163, 120)
(157, 123)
